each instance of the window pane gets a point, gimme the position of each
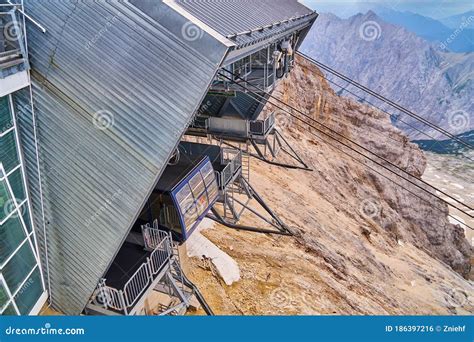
(210, 178)
(8, 153)
(17, 269)
(9, 311)
(6, 121)
(26, 217)
(183, 194)
(185, 198)
(16, 182)
(202, 204)
(190, 218)
(3, 296)
(11, 236)
(29, 293)
(197, 185)
(5, 200)
(207, 170)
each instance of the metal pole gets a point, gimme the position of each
(124, 304)
(27, 16)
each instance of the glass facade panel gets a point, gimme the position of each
(26, 217)
(17, 256)
(9, 311)
(185, 198)
(212, 190)
(29, 293)
(207, 170)
(11, 237)
(8, 152)
(6, 121)
(3, 296)
(197, 185)
(16, 182)
(190, 218)
(19, 266)
(5, 201)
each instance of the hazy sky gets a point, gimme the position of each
(430, 8)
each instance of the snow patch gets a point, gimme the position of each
(200, 247)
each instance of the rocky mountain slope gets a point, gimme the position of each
(362, 245)
(454, 174)
(431, 82)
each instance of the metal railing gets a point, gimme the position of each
(233, 159)
(137, 284)
(243, 67)
(153, 236)
(262, 127)
(140, 281)
(108, 297)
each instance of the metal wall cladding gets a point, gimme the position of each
(113, 92)
(236, 16)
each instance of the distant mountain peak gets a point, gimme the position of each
(437, 32)
(400, 65)
(460, 20)
(371, 13)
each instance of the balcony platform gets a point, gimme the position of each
(143, 274)
(128, 260)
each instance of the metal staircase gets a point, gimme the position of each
(161, 273)
(245, 104)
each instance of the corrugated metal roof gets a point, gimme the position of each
(114, 90)
(239, 16)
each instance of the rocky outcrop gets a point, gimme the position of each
(412, 215)
(363, 245)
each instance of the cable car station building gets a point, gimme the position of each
(104, 106)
